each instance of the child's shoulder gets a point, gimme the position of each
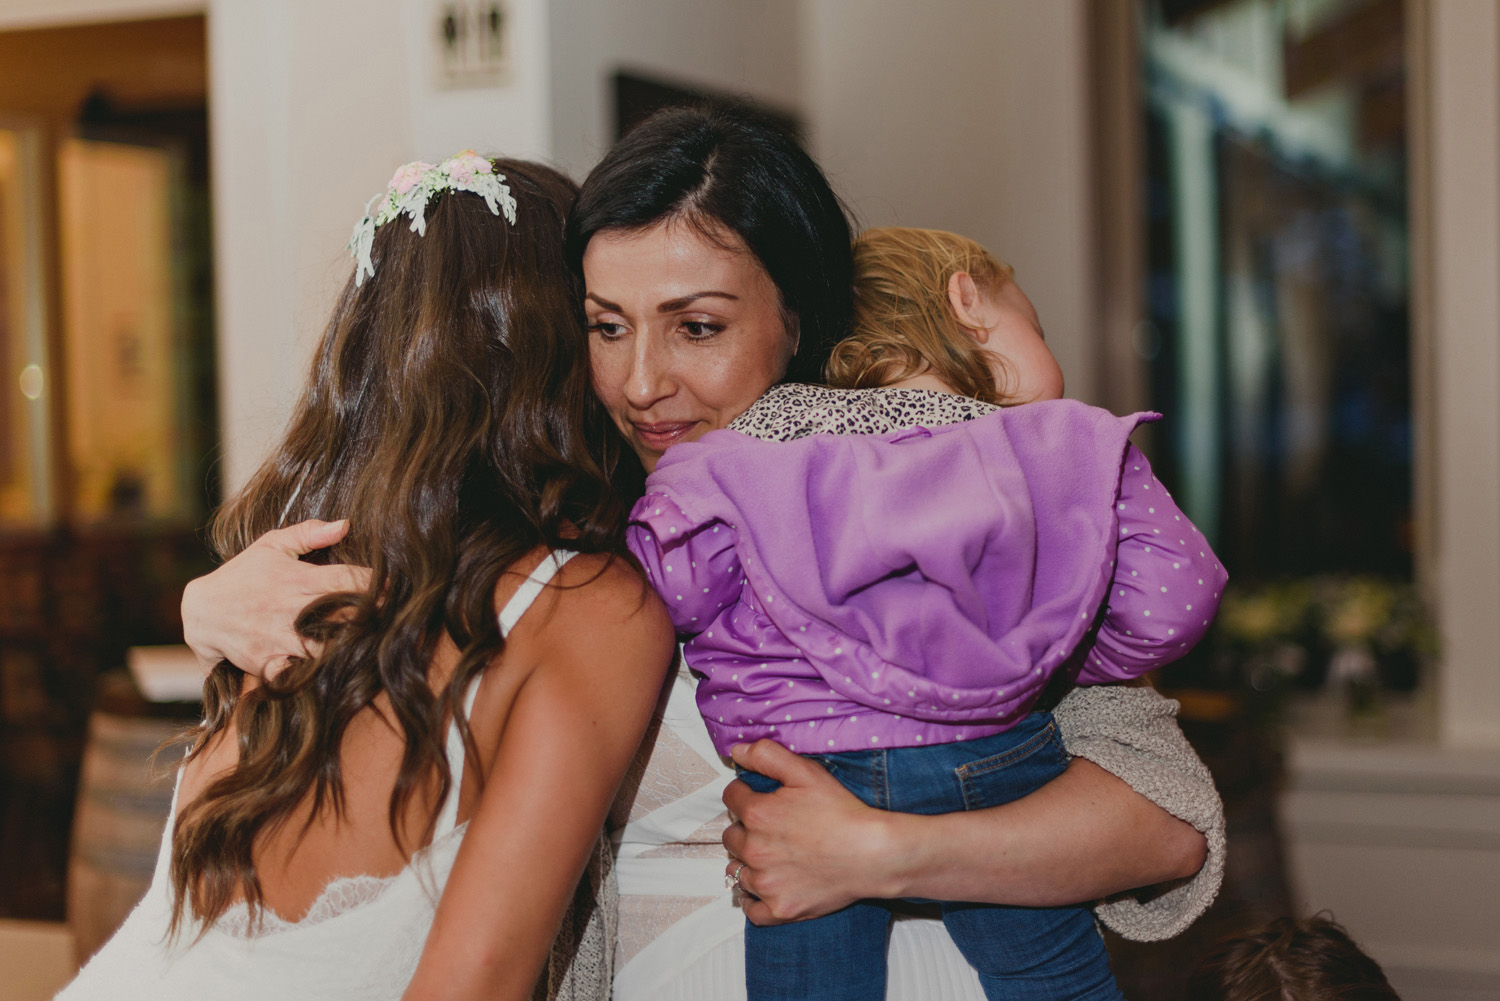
(797, 410)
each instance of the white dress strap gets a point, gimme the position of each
(531, 587)
(516, 607)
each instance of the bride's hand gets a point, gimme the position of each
(804, 850)
(244, 611)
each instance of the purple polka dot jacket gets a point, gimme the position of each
(849, 592)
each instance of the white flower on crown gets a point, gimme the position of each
(413, 186)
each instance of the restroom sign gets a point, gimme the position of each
(472, 41)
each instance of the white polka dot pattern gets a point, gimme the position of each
(1145, 626)
(793, 670)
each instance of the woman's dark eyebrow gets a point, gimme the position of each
(604, 303)
(683, 302)
(670, 306)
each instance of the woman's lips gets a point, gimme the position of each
(658, 437)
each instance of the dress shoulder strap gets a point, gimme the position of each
(531, 587)
(516, 607)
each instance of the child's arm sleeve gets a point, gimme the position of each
(692, 564)
(1166, 586)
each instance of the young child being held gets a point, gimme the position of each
(885, 579)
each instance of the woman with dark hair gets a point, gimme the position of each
(698, 281)
(714, 255)
(398, 786)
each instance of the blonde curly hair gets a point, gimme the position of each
(903, 323)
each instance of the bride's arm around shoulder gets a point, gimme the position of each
(590, 656)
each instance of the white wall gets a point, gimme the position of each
(313, 105)
(968, 115)
(740, 46)
(511, 119)
(1401, 842)
(1462, 215)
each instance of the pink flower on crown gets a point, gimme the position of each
(463, 166)
(409, 176)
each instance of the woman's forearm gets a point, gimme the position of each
(1083, 836)
(811, 847)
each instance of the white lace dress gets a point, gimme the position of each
(360, 940)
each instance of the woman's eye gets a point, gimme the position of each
(698, 330)
(608, 331)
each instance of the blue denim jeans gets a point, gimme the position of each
(1020, 953)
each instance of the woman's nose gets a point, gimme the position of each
(650, 377)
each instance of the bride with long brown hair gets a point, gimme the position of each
(444, 761)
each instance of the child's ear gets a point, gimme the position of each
(968, 306)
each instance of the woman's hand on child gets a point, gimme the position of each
(804, 850)
(244, 612)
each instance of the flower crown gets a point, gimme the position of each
(414, 185)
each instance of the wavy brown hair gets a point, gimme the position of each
(903, 323)
(449, 417)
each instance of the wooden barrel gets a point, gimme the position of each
(123, 801)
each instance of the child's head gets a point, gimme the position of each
(1290, 959)
(936, 304)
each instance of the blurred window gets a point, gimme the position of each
(127, 356)
(107, 394)
(1278, 278)
(25, 479)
